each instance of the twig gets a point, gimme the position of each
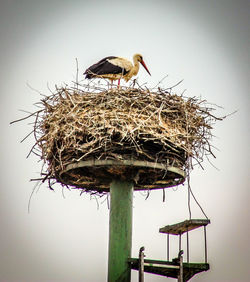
(77, 70)
(160, 81)
(26, 117)
(174, 85)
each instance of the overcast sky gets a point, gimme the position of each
(206, 43)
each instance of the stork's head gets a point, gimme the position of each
(139, 58)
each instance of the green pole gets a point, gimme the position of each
(120, 231)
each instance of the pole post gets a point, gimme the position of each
(120, 231)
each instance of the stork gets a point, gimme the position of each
(114, 68)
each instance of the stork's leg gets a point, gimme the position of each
(119, 83)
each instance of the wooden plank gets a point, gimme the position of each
(182, 227)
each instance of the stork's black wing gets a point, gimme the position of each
(104, 67)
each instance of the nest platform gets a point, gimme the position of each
(89, 136)
(98, 174)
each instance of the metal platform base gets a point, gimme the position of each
(96, 175)
(169, 268)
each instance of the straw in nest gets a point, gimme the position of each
(152, 137)
(76, 124)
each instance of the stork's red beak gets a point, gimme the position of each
(145, 67)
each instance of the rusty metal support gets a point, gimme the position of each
(205, 238)
(180, 259)
(141, 264)
(179, 242)
(168, 247)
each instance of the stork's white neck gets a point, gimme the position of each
(135, 68)
(135, 60)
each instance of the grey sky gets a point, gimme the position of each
(206, 43)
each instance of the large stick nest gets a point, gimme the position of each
(129, 124)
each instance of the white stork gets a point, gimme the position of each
(114, 68)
